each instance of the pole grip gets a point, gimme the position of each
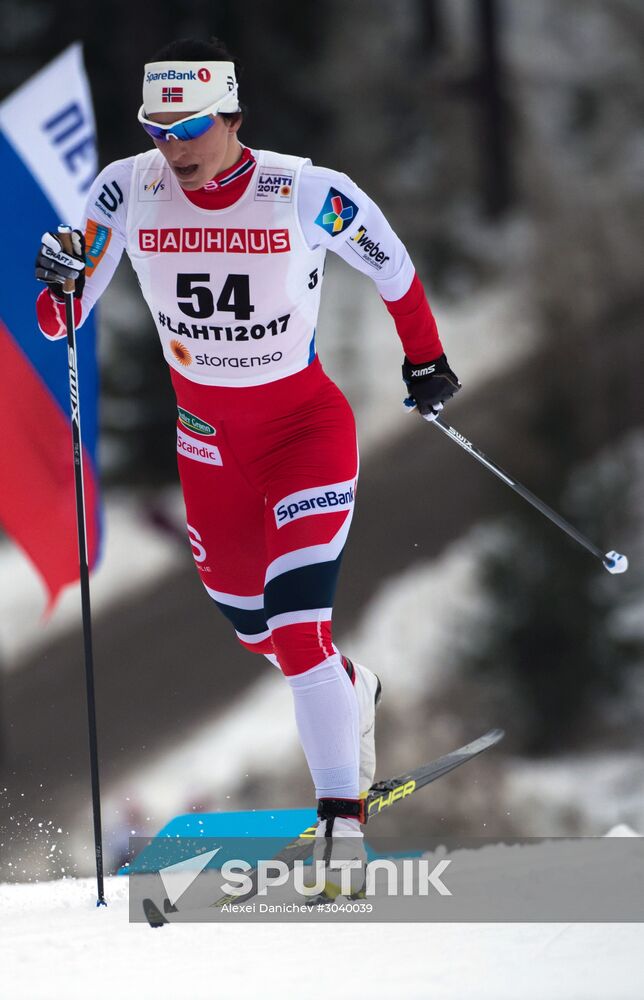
(65, 237)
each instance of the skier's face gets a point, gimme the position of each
(196, 161)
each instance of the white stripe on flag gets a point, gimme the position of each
(49, 121)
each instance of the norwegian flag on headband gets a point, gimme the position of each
(172, 95)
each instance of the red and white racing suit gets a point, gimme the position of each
(266, 443)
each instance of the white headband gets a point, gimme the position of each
(189, 86)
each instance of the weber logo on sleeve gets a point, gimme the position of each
(370, 250)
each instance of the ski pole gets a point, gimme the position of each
(64, 233)
(612, 561)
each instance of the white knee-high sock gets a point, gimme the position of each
(326, 712)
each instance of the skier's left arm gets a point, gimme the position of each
(335, 213)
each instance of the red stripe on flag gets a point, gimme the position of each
(37, 499)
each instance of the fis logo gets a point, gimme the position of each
(368, 249)
(320, 500)
(154, 185)
(336, 213)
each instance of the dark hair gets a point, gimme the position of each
(214, 50)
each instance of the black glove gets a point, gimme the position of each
(430, 384)
(54, 266)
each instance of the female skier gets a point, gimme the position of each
(228, 244)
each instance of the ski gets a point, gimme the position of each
(384, 794)
(381, 796)
(153, 914)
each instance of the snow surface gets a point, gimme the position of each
(57, 944)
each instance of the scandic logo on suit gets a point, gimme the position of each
(198, 451)
(179, 240)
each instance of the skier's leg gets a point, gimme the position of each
(225, 517)
(310, 497)
(225, 501)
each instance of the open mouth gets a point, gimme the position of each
(186, 171)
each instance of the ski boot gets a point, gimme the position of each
(368, 690)
(338, 839)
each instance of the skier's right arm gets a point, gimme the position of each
(105, 236)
